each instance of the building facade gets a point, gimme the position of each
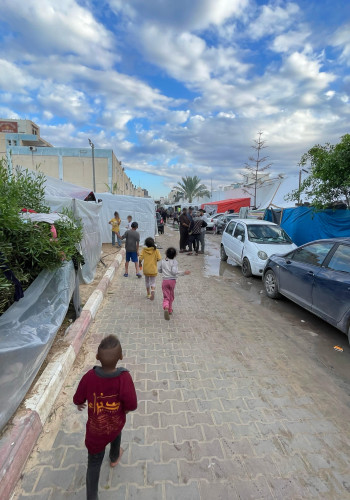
(21, 144)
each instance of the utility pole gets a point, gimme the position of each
(300, 170)
(93, 164)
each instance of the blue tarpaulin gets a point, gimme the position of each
(303, 224)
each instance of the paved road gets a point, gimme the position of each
(311, 333)
(233, 401)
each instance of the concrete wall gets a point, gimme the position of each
(47, 164)
(75, 165)
(79, 170)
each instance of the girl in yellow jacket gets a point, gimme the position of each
(150, 256)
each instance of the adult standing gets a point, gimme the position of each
(196, 231)
(204, 218)
(190, 214)
(184, 227)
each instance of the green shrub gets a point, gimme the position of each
(28, 247)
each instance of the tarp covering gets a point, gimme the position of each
(91, 244)
(63, 189)
(27, 330)
(142, 211)
(223, 205)
(303, 224)
(272, 191)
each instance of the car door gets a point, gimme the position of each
(297, 274)
(331, 292)
(237, 242)
(227, 239)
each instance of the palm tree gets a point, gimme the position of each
(191, 187)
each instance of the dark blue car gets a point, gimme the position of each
(317, 277)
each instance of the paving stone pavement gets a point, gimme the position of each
(229, 407)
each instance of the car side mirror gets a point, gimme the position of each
(239, 237)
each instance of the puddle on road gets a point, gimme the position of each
(312, 333)
(251, 289)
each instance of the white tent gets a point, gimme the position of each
(142, 210)
(60, 195)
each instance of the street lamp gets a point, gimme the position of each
(93, 164)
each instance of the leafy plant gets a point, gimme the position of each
(329, 179)
(28, 247)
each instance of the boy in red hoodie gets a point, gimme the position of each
(110, 395)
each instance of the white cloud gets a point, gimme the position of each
(13, 78)
(180, 54)
(64, 100)
(182, 14)
(302, 68)
(9, 113)
(273, 19)
(293, 40)
(62, 27)
(342, 39)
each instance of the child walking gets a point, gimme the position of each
(115, 222)
(170, 271)
(150, 256)
(110, 394)
(132, 243)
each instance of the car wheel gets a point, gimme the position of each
(271, 285)
(223, 255)
(246, 269)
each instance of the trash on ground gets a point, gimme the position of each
(338, 348)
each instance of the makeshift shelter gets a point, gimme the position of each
(304, 224)
(60, 195)
(223, 206)
(29, 326)
(142, 211)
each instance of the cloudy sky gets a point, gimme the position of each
(179, 88)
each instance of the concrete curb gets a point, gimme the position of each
(18, 441)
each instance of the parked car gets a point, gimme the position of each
(211, 220)
(317, 277)
(160, 223)
(221, 222)
(251, 242)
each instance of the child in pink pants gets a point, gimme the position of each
(170, 271)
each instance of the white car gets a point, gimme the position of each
(211, 219)
(251, 242)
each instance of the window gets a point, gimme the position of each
(240, 231)
(341, 259)
(264, 233)
(230, 228)
(312, 254)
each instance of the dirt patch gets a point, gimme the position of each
(107, 256)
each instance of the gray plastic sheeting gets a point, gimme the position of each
(91, 244)
(27, 330)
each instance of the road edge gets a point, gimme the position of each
(19, 440)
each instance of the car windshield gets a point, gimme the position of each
(274, 235)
